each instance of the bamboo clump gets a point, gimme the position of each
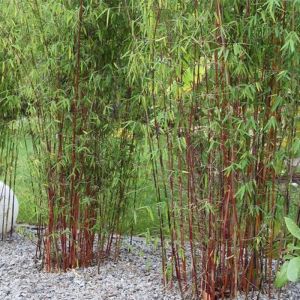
(206, 92)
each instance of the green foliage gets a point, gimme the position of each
(185, 108)
(281, 277)
(290, 270)
(292, 228)
(28, 209)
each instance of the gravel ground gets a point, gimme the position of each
(136, 275)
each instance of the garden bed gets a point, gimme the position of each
(136, 275)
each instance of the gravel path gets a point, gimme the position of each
(136, 275)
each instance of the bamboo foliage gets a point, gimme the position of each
(207, 90)
(81, 134)
(10, 110)
(216, 93)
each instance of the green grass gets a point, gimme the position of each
(23, 188)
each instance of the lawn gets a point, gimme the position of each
(23, 188)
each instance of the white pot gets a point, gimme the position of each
(9, 209)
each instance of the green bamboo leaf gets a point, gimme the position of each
(107, 17)
(272, 123)
(241, 192)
